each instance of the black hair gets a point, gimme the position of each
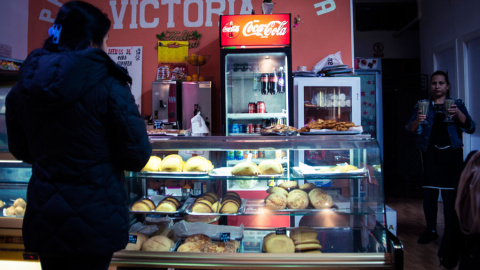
(82, 25)
(445, 75)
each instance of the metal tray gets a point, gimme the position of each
(359, 172)
(226, 172)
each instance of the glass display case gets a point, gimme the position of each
(349, 227)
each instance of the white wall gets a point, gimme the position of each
(14, 26)
(453, 27)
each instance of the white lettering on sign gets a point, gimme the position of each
(228, 28)
(46, 15)
(186, 9)
(143, 22)
(325, 6)
(55, 2)
(206, 9)
(273, 28)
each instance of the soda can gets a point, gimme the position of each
(250, 128)
(258, 128)
(239, 155)
(230, 155)
(241, 128)
(252, 107)
(245, 154)
(254, 153)
(235, 128)
(261, 107)
(261, 154)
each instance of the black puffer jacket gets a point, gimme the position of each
(73, 117)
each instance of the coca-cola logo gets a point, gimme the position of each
(231, 29)
(273, 28)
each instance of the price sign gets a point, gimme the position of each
(281, 230)
(224, 237)
(132, 238)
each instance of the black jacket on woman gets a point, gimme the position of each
(73, 117)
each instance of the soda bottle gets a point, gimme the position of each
(264, 83)
(272, 82)
(281, 80)
(256, 80)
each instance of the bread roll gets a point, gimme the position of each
(320, 199)
(279, 244)
(158, 243)
(229, 207)
(149, 202)
(201, 207)
(275, 201)
(174, 200)
(303, 234)
(153, 164)
(190, 247)
(245, 168)
(200, 239)
(289, 184)
(303, 247)
(172, 163)
(141, 206)
(270, 166)
(297, 199)
(278, 189)
(307, 186)
(166, 206)
(198, 164)
(141, 238)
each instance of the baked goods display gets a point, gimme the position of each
(278, 243)
(210, 203)
(16, 209)
(279, 130)
(203, 243)
(331, 124)
(245, 168)
(168, 132)
(174, 163)
(283, 197)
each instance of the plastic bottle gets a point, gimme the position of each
(256, 80)
(264, 83)
(272, 83)
(281, 80)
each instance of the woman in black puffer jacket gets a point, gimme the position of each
(73, 117)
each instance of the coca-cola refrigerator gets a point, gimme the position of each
(256, 70)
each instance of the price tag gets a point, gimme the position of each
(224, 237)
(132, 238)
(282, 230)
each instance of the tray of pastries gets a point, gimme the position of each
(291, 197)
(330, 127)
(266, 168)
(168, 132)
(339, 170)
(210, 204)
(279, 130)
(203, 243)
(175, 165)
(158, 204)
(300, 240)
(161, 240)
(13, 209)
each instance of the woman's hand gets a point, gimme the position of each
(456, 113)
(421, 117)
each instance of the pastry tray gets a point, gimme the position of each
(5, 213)
(157, 199)
(330, 132)
(188, 174)
(298, 170)
(257, 206)
(226, 172)
(190, 201)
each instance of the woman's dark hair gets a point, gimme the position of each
(445, 75)
(82, 24)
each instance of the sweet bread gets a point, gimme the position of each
(307, 186)
(198, 164)
(190, 247)
(158, 243)
(172, 163)
(153, 164)
(320, 199)
(289, 184)
(141, 206)
(297, 199)
(245, 168)
(270, 166)
(278, 189)
(141, 238)
(279, 244)
(275, 201)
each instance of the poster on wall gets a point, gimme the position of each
(130, 58)
(171, 60)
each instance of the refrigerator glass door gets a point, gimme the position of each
(327, 98)
(255, 91)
